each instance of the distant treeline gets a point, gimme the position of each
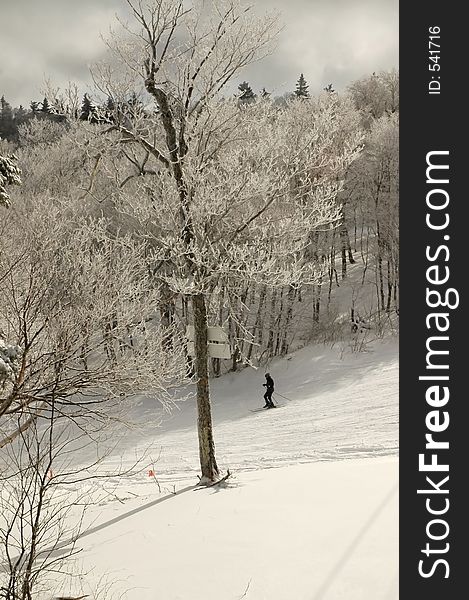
(58, 110)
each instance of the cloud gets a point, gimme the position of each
(330, 41)
(53, 38)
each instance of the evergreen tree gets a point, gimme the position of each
(134, 100)
(302, 86)
(4, 104)
(246, 93)
(46, 107)
(109, 110)
(329, 89)
(8, 126)
(88, 111)
(135, 105)
(110, 104)
(21, 115)
(264, 93)
(34, 106)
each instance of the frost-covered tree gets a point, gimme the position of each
(64, 102)
(230, 195)
(9, 359)
(88, 343)
(372, 189)
(9, 175)
(76, 319)
(376, 95)
(34, 514)
(39, 132)
(184, 59)
(79, 337)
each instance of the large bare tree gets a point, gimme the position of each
(231, 192)
(80, 336)
(78, 320)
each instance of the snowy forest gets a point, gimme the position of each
(161, 234)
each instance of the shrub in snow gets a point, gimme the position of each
(9, 356)
(9, 175)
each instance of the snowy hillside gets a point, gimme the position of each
(167, 238)
(310, 511)
(337, 407)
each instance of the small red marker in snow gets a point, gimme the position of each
(151, 473)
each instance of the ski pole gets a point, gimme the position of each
(285, 398)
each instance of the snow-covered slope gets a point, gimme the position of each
(310, 512)
(318, 531)
(334, 405)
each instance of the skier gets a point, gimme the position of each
(269, 384)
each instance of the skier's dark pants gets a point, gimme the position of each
(268, 397)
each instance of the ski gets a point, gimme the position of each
(262, 408)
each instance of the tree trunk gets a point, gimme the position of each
(177, 148)
(241, 343)
(216, 366)
(288, 318)
(396, 286)
(390, 286)
(279, 322)
(270, 343)
(380, 275)
(346, 249)
(343, 251)
(167, 311)
(208, 462)
(258, 328)
(317, 300)
(332, 270)
(235, 358)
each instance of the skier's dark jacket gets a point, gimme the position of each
(269, 384)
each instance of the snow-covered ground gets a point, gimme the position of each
(309, 513)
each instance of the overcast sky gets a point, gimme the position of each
(330, 41)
